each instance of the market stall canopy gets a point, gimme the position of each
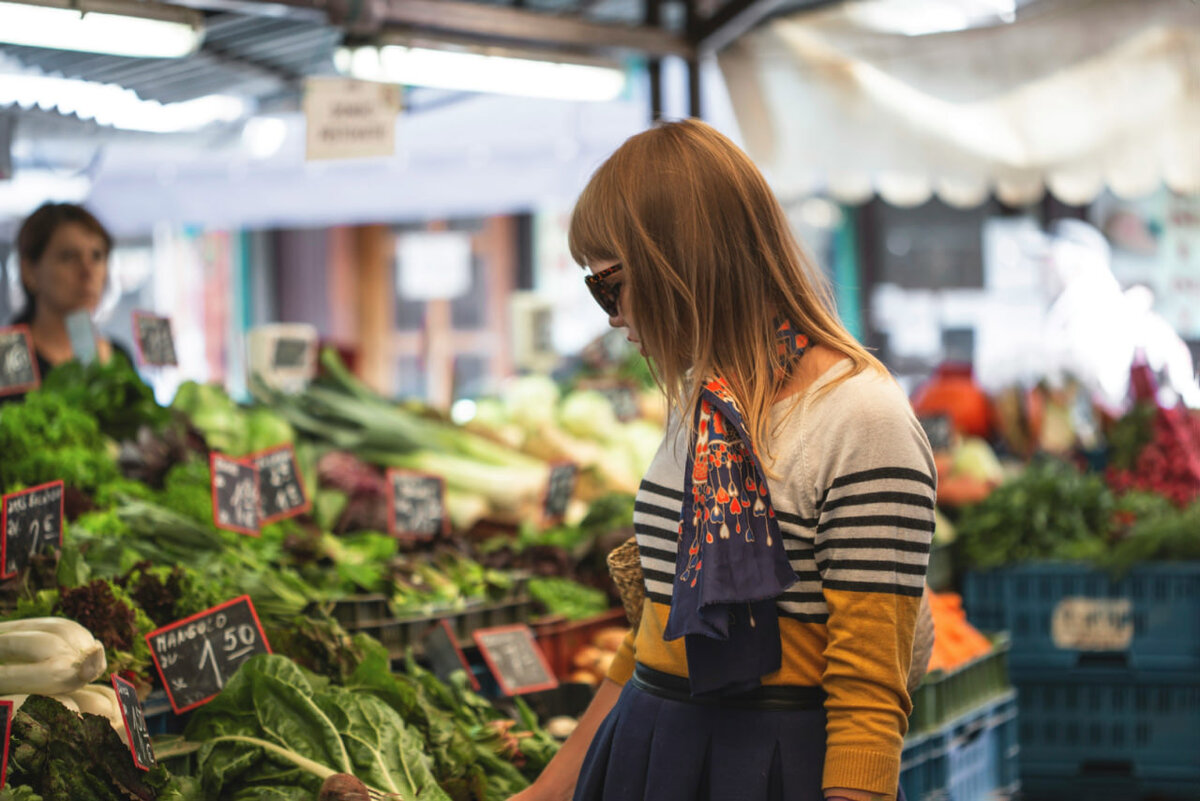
(1070, 96)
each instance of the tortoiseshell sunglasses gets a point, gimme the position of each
(607, 293)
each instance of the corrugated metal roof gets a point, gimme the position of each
(241, 54)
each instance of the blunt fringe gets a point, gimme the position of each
(711, 263)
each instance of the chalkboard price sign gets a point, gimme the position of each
(290, 353)
(418, 504)
(940, 430)
(155, 343)
(136, 732)
(197, 656)
(29, 521)
(6, 716)
(18, 368)
(559, 490)
(235, 494)
(444, 655)
(280, 488)
(515, 659)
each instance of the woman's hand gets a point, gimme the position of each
(535, 792)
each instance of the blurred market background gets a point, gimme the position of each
(354, 214)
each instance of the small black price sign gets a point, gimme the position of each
(515, 659)
(290, 353)
(155, 343)
(444, 655)
(559, 490)
(280, 488)
(940, 430)
(197, 656)
(136, 731)
(6, 716)
(417, 504)
(30, 520)
(235, 494)
(18, 367)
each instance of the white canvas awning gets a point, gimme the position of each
(1072, 97)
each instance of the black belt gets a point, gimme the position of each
(678, 688)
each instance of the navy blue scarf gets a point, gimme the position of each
(731, 564)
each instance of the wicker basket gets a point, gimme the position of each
(625, 567)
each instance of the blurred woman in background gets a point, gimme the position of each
(63, 253)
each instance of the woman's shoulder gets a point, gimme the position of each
(866, 399)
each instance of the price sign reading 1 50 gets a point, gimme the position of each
(197, 656)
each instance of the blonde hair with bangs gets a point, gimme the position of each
(711, 264)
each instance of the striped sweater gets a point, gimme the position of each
(854, 496)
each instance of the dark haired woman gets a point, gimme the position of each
(63, 252)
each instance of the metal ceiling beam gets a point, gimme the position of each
(738, 17)
(488, 24)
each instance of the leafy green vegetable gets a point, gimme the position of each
(113, 393)
(276, 727)
(562, 596)
(45, 438)
(1050, 511)
(60, 754)
(106, 610)
(1155, 531)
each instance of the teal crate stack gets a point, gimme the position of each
(969, 758)
(1159, 604)
(1108, 675)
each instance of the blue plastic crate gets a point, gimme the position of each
(1161, 603)
(971, 758)
(1109, 723)
(981, 753)
(923, 767)
(1070, 786)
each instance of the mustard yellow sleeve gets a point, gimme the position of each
(874, 526)
(867, 705)
(621, 669)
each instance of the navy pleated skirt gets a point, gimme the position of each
(655, 748)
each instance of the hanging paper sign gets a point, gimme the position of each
(18, 367)
(30, 520)
(346, 118)
(235, 494)
(940, 430)
(515, 659)
(559, 490)
(280, 488)
(417, 504)
(444, 655)
(6, 716)
(136, 732)
(196, 656)
(154, 340)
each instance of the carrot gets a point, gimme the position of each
(956, 641)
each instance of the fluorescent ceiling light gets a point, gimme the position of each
(264, 136)
(478, 72)
(29, 189)
(109, 104)
(140, 30)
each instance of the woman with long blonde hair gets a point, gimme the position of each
(784, 525)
